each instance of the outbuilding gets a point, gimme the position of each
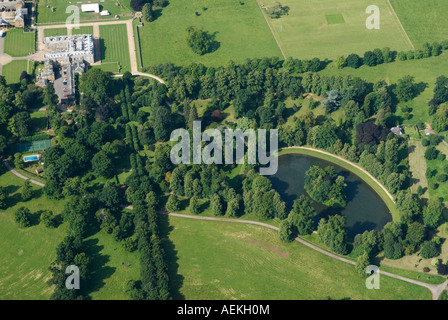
(91, 7)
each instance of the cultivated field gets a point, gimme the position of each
(241, 31)
(13, 70)
(19, 43)
(59, 15)
(114, 46)
(328, 28)
(218, 260)
(424, 21)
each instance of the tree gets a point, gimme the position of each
(50, 98)
(161, 119)
(194, 205)
(173, 203)
(47, 218)
(362, 262)
(406, 89)
(429, 250)
(3, 198)
(332, 233)
(20, 123)
(27, 192)
(353, 60)
(370, 59)
(301, 215)
(216, 205)
(332, 102)
(137, 5)
(111, 195)
(198, 40)
(433, 213)
(415, 234)
(102, 165)
(23, 217)
(95, 84)
(431, 153)
(285, 232)
(147, 12)
(277, 11)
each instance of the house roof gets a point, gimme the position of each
(95, 7)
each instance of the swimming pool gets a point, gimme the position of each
(31, 158)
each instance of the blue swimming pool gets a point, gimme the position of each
(31, 158)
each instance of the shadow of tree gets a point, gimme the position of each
(98, 271)
(176, 280)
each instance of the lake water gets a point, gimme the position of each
(365, 209)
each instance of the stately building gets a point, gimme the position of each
(66, 56)
(12, 13)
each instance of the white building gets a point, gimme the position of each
(91, 7)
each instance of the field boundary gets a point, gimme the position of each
(272, 30)
(399, 22)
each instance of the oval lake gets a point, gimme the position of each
(365, 209)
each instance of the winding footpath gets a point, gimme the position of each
(436, 289)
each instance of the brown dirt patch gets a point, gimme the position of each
(273, 249)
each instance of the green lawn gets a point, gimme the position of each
(111, 267)
(45, 15)
(55, 32)
(114, 46)
(328, 28)
(83, 30)
(423, 20)
(26, 253)
(13, 70)
(240, 30)
(19, 43)
(218, 260)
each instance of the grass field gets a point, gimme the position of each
(13, 70)
(83, 30)
(26, 253)
(45, 15)
(423, 20)
(114, 46)
(55, 32)
(328, 28)
(217, 260)
(240, 30)
(417, 165)
(19, 43)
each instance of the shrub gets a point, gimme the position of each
(426, 269)
(442, 177)
(353, 61)
(425, 142)
(431, 153)
(433, 186)
(429, 250)
(441, 157)
(445, 168)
